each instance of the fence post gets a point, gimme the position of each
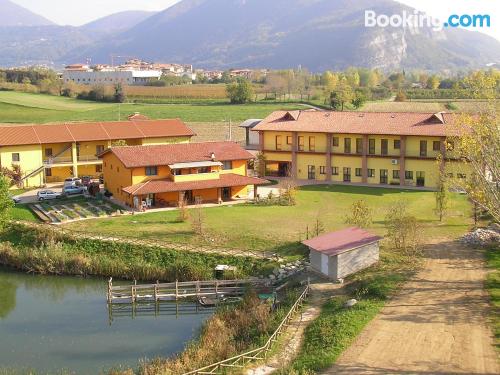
(176, 290)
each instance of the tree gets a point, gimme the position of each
(319, 226)
(342, 95)
(288, 191)
(359, 99)
(119, 94)
(433, 82)
(276, 84)
(402, 229)
(183, 212)
(400, 97)
(6, 202)
(330, 80)
(260, 164)
(13, 174)
(441, 196)
(197, 218)
(239, 92)
(352, 77)
(359, 215)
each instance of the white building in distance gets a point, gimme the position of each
(110, 77)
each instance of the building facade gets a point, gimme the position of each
(111, 77)
(51, 153)
(164, 175)
(356, 147)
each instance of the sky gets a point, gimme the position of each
(71, 12)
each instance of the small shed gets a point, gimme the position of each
(251, 138)
(344, 252)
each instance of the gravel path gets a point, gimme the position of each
(437, 324)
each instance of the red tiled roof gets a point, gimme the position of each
(384, 123)
(164, 186)
(143, 156)
(334, 243)
(92, 131)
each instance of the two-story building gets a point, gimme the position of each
(358, 147)
(51, 153)
(164, 175)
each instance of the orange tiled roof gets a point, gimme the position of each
(92, 131)
(143, 156)
(165, 186)
(384, 123)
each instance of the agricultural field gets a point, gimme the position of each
(279, 228)
(177, 92)
(17, 107)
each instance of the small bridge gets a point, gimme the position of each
(175, 291)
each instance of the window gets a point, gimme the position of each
(384, 144)
(48, 172)
(371, 172)
(409, 175)
(423, 148)
(335, 141)
(204, 170)
(335, 171)
(322, 170)
(395, 174)
(301, 143)
(151, 171)
(228, 164)
(347, 145)
(312, 144)
(397, 144)
(359, 145)
(371, 146)
(347, 174)
(288, 140)
(357, 172)
(99, 149)
(98, 168)
(436, 146)
(48, 152)
(383, 176)
(16, 157)
(461, 175)
(278, 142)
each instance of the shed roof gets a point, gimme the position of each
(250, 123)
(334, 243)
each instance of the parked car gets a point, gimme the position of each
(73, 181)
(73, 190)
(47, 194)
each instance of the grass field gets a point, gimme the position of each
(279, 228)
(16, 107)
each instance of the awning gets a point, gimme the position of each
(195, 164)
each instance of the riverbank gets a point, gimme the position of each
(42, 251)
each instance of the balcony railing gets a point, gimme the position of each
(86, 158)
(58, 160)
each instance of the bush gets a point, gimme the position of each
(400, 97)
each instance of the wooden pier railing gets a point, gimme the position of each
(240, 361)
(177, 290)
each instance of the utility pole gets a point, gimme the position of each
(119, 111)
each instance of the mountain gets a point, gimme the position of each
(317, 34)
(117, 22)
(12, 14)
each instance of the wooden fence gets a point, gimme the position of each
(240, 361)
(179, 290)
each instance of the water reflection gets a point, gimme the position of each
(54, 323)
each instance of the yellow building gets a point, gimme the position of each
(51, 153)
(357, 147)
(164, 175)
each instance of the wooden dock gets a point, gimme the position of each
(175, 291)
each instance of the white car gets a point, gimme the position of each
(73, 181)
(47, 194)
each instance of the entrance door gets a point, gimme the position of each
(347, 174)
(311, 172)
(324, 264)
(226, 193)
(420, 178)
(151, 200)
(188, 196)
(283, 169)
(383, 176)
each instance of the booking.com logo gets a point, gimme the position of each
(418, 19)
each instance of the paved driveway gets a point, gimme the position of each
(436, 325)
(31, 195)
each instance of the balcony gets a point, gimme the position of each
(196, 177)
(88, 159)
(69, 160)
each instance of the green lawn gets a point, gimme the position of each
(279, 228)
(16, 107)
(493, 286)
(22, 212)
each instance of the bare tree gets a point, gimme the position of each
(288, 191)
(183, 211)
(359, 214)
(197, 218)
(402, 229)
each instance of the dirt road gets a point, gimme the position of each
(436, 325)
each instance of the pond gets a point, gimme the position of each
(49, 324)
